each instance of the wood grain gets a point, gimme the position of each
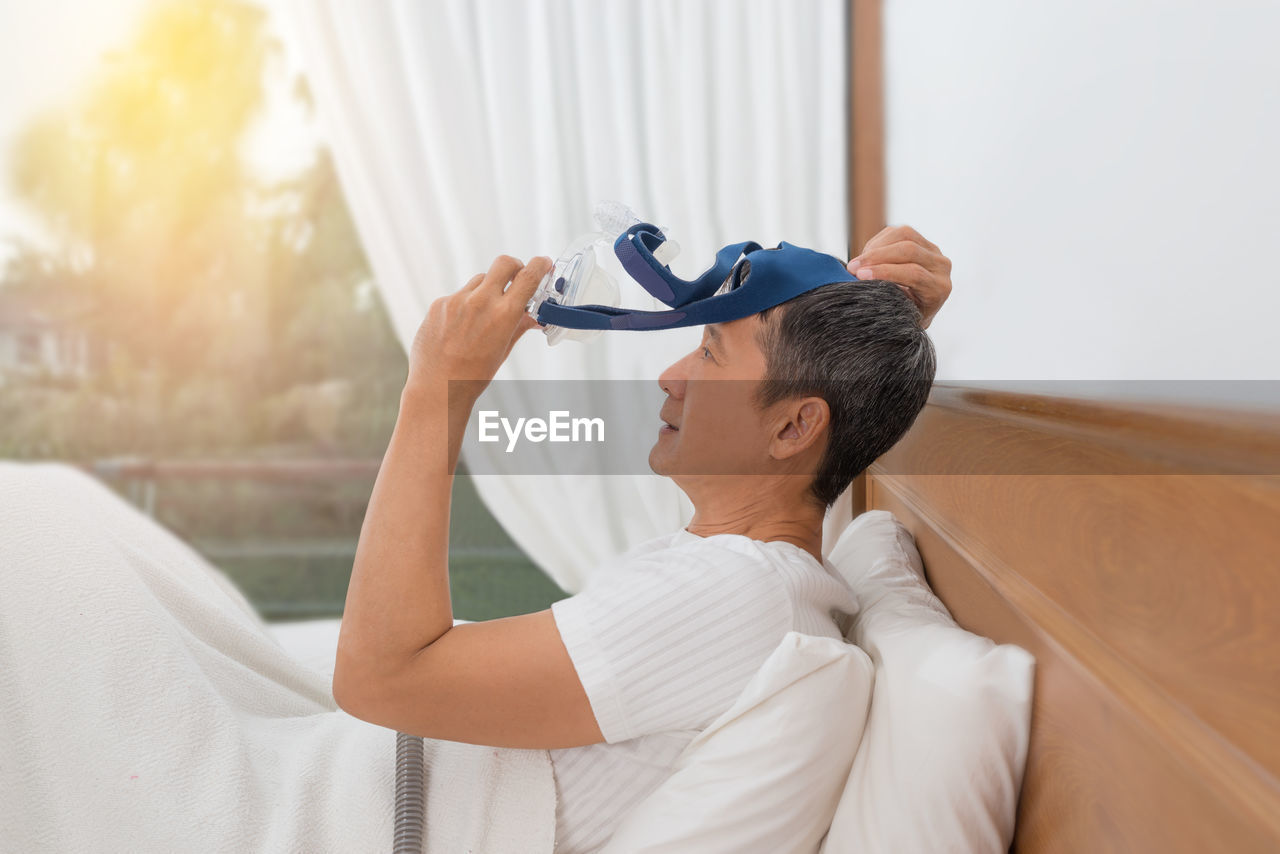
(866, 165)
(1148, 592)
(866, 190)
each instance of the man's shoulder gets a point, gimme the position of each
(681, 553)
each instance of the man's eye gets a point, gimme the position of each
(706, 352)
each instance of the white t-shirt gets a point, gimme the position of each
(664, 639)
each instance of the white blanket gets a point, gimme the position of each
(145, 707)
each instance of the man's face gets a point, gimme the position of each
(712, 425)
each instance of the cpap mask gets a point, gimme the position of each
(578, 299)
(578, 280)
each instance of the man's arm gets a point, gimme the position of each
(899, 254)
(401, 663)
(398, 599)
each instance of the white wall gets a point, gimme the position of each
(1105, 177)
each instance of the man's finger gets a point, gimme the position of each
(908, 233)
(878, 239)
(500, 272)
(527, 280)
(526, 323)
(912, 275)
(882, 238)
(472, 283)
(902, 252)
(896, 234)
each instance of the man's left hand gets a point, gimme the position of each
(899, 254)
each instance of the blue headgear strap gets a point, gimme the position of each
(775, 276)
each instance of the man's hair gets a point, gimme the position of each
(860, 347)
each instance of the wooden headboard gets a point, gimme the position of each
(1135, 551)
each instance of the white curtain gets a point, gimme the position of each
(465, 129)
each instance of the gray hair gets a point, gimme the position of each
(860, 347)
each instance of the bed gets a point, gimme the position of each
(1132, 548)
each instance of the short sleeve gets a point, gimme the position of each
(667, 641)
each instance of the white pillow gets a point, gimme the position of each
(940, 764)
(766, 775)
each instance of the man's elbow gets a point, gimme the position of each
(342, 694)
(364, 690)
(351, 686)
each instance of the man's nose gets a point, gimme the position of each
(672, 380)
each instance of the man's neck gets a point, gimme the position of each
(767, 515)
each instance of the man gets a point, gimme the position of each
(659, 645)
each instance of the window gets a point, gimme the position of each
(248, 369)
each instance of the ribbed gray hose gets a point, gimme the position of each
(410, 795)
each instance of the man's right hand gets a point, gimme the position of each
(900, 255)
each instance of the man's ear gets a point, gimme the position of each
(803, 423)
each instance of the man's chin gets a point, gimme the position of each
(659, 460)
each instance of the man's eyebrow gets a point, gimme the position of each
(713, 332)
